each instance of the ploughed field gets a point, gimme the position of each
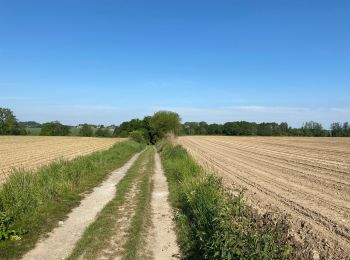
(30, 152)
(306, 180)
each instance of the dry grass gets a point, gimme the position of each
(31, 152)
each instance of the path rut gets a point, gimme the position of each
(60, 242)
(162, 243)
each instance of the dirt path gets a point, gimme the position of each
(60, 242)
(306, 179)
(162, 242)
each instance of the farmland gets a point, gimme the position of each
(306, 180)
(31, 152)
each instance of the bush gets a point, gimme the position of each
(86, 130)
(102, 132)
(54, 129)
(137, 136)
(123, 134)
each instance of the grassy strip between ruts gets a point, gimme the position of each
(36, 201)
(213, 224)
(97, 237)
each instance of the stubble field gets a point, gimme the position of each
(31, 152)
(305, 180)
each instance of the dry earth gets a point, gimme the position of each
(162, 238)
(30, 152)
(306, 180)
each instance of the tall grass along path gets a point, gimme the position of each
(62, 239)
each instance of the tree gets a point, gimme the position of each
(231, 128)
(214, 129)
(162, 123)
(54, 129)
(86, 130)
(102, 132)
(284, 128)
(336, 129)
(312, 128)
(9, 124)
(346, 129)
(191, 128)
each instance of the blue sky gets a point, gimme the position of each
(106, 61)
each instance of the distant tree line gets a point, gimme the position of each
(88, 130)
(244, 128)
(338, 129)
(152, 128)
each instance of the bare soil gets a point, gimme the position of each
(60, 242)
(114, 249)
(162, 238)
(306, 180)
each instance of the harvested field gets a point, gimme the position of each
(30, 152)
(306, 180)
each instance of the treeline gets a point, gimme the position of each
(338, 129)
(9, 125)
(57, 129)
(148, 130)
(152, 128)
(244, 128)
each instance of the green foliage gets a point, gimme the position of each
(244, 128)
(129, 126)
(312, 128)
(36, 201)
(338, 129)
(86, 130)
(153, 127)
(240, 128)
(102, 132)
(54, 129)
(9, 124)
(123, 134)
(137, 136)
(6, 228)
(164, 122)
(213, 224)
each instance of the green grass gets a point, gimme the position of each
(97, 236)
(37, 201)
(213, 224)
